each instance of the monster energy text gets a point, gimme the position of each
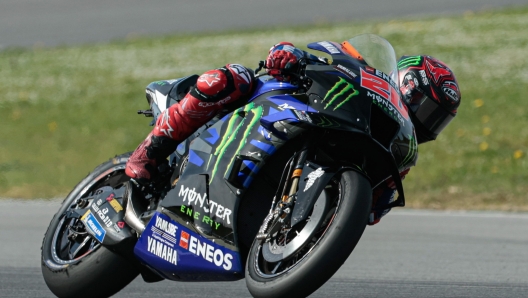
(386, 106)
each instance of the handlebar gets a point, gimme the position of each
(296, 74)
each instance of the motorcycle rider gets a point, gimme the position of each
(430, 92)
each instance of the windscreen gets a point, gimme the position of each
(377, 52)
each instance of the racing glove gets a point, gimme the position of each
(283, 58)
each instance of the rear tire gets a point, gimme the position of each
(303, 273)
(91, 270)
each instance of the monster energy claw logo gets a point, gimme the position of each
(411, 153)
(232, 132)
(334, 94)
(409, 61)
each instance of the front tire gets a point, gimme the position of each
(73, 263)
(350, 196)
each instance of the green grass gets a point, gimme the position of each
(65, 110)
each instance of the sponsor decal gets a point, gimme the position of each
(162, 241)
(114, 203)
(206, 104)
(102, 215)
(93, 226)
(208, 252)
(194, 198)
(196, 215)
(183, 252)
(450, 89)
(424, 77)
(370, 69)
(346, 71)
(286, 106)
(184, 240)
(312, 177)
(121, 224)
(384, 89)
(303, 116)
(409, 61)
(329, 47)
(386, 106)
(232, 131)
(342, 91)
(116, 228)
(162, 250)
(165, 226)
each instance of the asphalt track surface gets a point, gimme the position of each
(58, 22)
(410, 253)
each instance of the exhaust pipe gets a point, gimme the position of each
(131, 210)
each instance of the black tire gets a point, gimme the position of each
(92, 270)
(314, 265)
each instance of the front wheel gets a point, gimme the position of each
(342, 214)
(74, 264)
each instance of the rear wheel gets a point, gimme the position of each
(334, 227)
(74, 264)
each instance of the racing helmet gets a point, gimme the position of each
(430, 91)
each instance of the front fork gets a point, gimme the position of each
(295, 175)
(280, 214)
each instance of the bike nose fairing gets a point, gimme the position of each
(177, 253)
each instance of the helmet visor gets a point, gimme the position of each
(429, 113)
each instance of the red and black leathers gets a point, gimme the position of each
(213, 90)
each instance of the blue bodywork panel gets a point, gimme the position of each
(176, 252)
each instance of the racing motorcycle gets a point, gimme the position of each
(277, 190)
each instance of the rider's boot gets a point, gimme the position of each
(144, 161)
(172, 127)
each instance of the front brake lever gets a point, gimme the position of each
(261, 65)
